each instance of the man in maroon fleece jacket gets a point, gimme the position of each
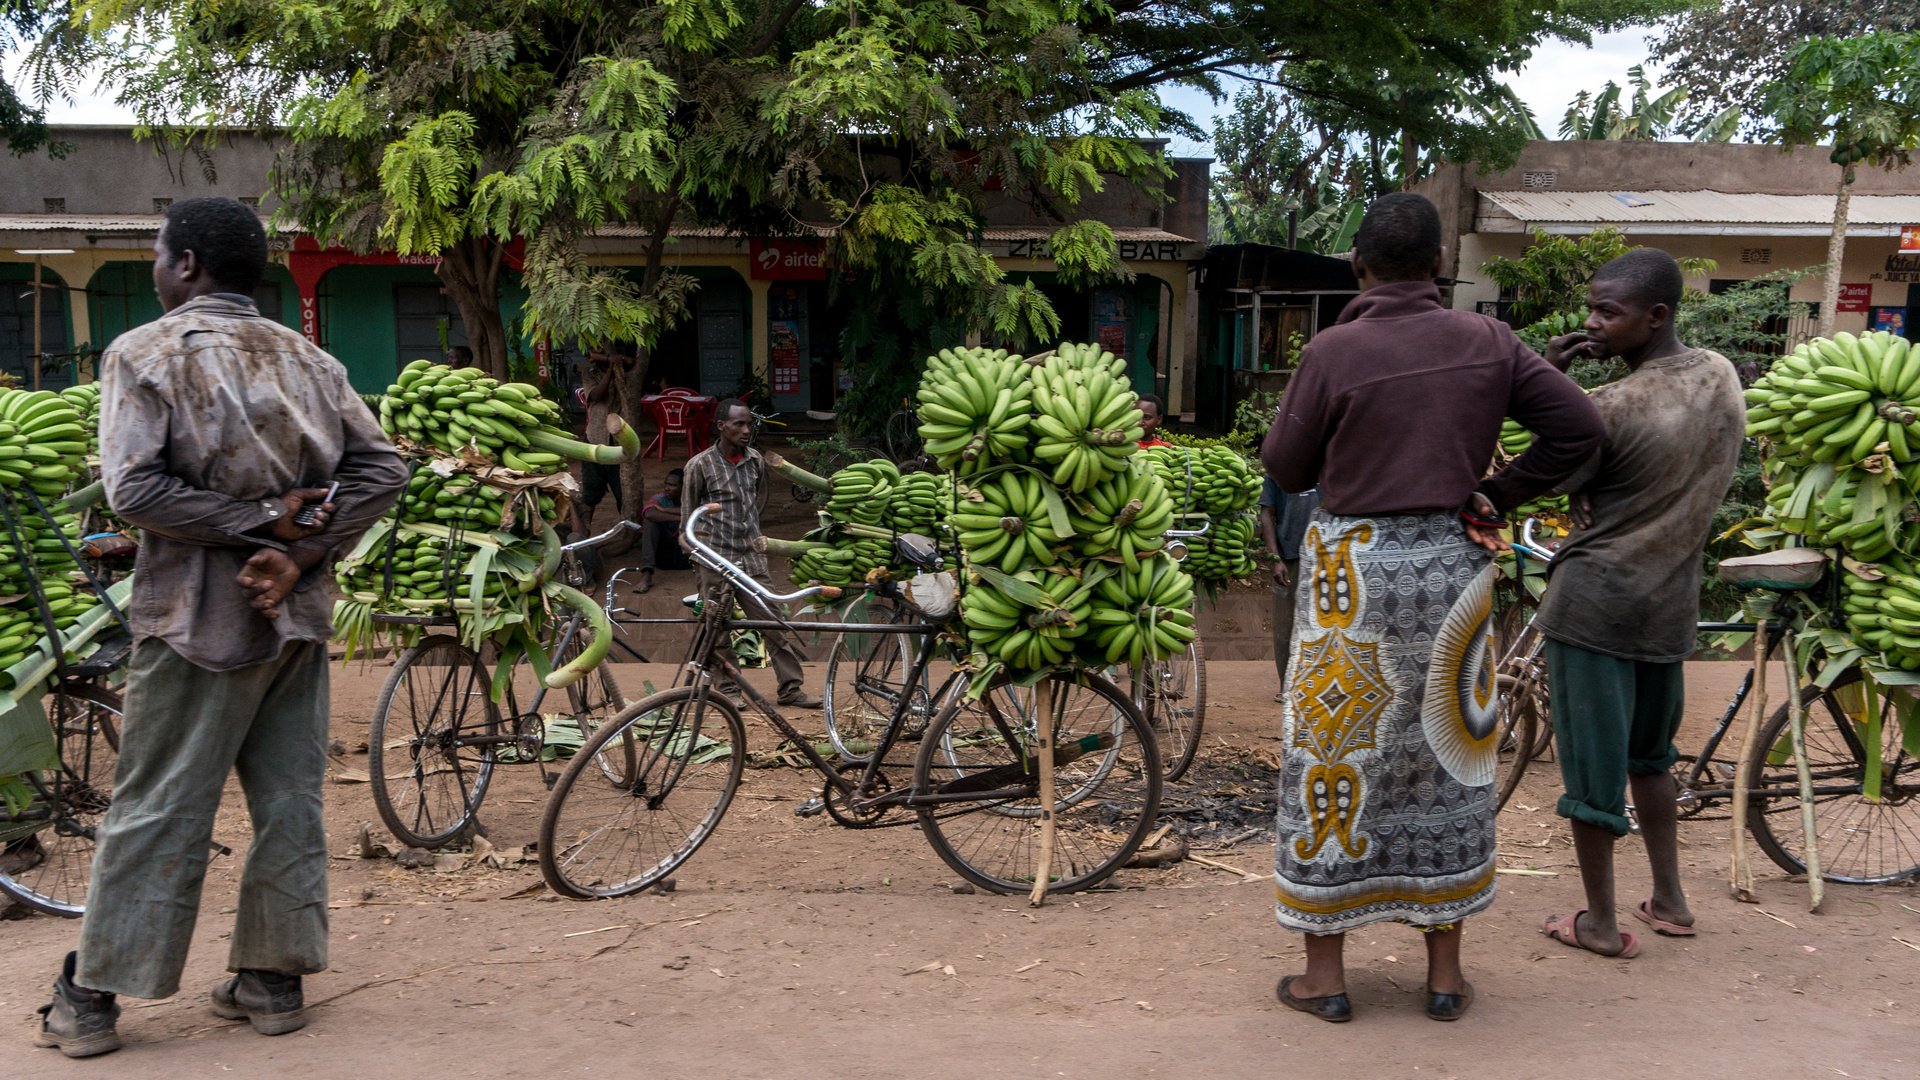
(1385, 808)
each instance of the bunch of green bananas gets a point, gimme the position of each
(425, 568)
(1884, 615)
(1224, 552)
(456, 409)
(822, 564)
(43, 441)
(861, 491)
(1211, 479)
(1839, 399)
(1089, 418)
(1028, 636)
(85, 398)
(1003, 521)
(1144, 613)
(460, 501)
(975, 407)
(1128, 513)
(920, 502)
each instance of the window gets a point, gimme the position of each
(1756, 256)
(1542, 178)
(266, 297)
(250, 200)
(419, 313)
(55, 206)
(160, 205)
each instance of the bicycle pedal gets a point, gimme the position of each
(811, 808)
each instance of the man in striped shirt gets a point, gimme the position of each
(731, 474)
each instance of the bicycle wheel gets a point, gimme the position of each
(1173, 698)
(987, 746)
(1861, 842)
(428, 778)
(593, 701)
(46, 852)
(1519, 716)
(598, 840)
(866, 678)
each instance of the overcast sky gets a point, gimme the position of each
(1547, 84)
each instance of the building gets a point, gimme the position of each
(86, 224)
(1752, 209)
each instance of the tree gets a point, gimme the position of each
(1862, 96)
(1650, 117)
(1551, 277)
(23, 126)
(1725, 54)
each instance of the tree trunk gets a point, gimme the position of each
(1836, 251)
(633, 487)
(470, 269)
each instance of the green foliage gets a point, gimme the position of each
(1862, 95)
(1747, 324)
(1650, 117)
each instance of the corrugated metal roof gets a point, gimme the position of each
(1691, 212)
(80, 222)
(1134, 236)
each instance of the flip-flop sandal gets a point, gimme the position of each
(1562, 930)
(1661, 926)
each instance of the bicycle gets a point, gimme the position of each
(973, 788)
(1877, 841)
(47, 845)
(442, 710)
(1173, 692)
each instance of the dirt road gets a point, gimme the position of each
(792, 949)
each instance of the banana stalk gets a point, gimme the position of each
(596, 650)
(789, 548)
(627, 449)
(796, 475)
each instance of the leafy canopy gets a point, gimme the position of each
(1860, 94)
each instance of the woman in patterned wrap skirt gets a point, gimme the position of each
(1386, 791)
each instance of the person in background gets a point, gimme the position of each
(660, 531)
(459, 356)
(1389, 731)
(603, 391)
(1623, 591)
(1283, 525)
(217, 426)
(731, 474)
(1153, 413)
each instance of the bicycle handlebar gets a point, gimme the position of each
(740, 578)
(1181, 534)
(601, 539)
(1532, 548)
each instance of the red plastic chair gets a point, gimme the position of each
(672, 415)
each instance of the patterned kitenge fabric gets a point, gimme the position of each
(1386, 797)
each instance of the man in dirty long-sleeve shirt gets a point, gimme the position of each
(217, 426)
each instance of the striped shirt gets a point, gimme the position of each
(730, 530)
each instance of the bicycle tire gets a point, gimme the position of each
(588, 828)
(1861, 842)
(50, 868)
(1517, 732)
(1094, 835)
(861, 709)
(440, 811)
(1178, 728)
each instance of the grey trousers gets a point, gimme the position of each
(658, 548)
(1283, 620)
(780, 648)
(185, 728)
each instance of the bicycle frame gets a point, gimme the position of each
(717, 625)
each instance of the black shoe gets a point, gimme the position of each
(79, 1021)
(1333, 1008)
(268, 1000)
(1450, 1006)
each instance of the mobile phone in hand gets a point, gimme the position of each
(310, 513)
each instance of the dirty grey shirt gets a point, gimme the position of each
(207, 416)
(1629, 587)
(735, 485)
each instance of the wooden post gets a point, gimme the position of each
(37, 263)
(1740, 875)
(1043, 749)
(1810, 841)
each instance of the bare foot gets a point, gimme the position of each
(646, 583)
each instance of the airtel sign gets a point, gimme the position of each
(787, 260)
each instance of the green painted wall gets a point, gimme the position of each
(121, 297)
(357, 312)
(16, 326)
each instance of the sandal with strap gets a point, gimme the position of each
(1661, 926)
(1561, 928)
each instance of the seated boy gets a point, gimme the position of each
(660, 532)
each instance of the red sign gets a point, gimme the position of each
(1910, 238)
(788, 260)
(1855, 298)
(784, 347)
